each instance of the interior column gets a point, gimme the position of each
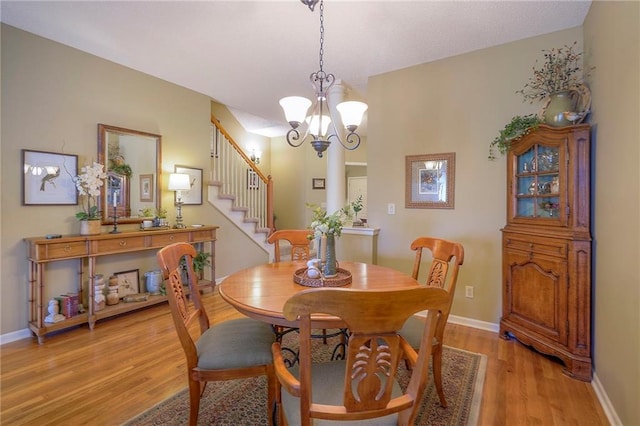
(336, 187)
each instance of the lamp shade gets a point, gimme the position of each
(351, 112)
(179, 182)
(295, 108)
(317, 126)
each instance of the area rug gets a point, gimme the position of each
(244, 402)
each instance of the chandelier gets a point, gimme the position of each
(316, 124)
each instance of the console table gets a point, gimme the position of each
(42, 251)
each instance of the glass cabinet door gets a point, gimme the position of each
(537, 183)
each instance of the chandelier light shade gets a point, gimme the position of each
(318, 123)
(295, 109)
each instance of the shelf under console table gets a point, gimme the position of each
(42, 251)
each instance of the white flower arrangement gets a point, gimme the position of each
(324, 224)
(88, 184)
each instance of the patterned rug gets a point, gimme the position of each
(244, 402)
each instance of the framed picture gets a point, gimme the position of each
(47, 178)
(128, 282)
(430, 181)
(252, 179)
(317, 183)
(194, 195)
(146, 188)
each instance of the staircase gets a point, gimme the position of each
(238, 189)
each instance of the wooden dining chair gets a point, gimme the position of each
(297, 238)
(233, 349)
(446, 259)
(364, 385)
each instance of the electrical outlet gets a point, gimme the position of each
(468, 291)
(391, 208)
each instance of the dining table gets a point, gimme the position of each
(261, 291)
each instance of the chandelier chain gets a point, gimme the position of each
(321, 36)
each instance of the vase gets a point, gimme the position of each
(330, 266)
(113, 298)
(90, 227)
(560, 102)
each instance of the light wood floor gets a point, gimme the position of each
(130, 363)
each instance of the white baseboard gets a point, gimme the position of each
(14, 335)
(608, 408)
(474, 323)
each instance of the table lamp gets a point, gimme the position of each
(179, 182)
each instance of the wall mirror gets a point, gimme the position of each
(430, 181)
(133, 164)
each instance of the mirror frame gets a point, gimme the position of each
(424, 188)
(103, 158)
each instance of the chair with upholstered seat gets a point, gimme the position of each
(298, 240)
(232, 349)
(446, 258)
(363, 388)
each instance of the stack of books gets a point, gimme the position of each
(68, 304)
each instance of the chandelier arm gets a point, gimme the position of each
(351, 139)
(293, 135)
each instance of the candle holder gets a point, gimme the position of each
(115, 221)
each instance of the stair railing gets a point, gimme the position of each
(239, 178)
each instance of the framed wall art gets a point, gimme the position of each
(128, 282)
(146, 188)
(252, 179)
(194, 195)
(430, 181)
(318, 183)
(47, 178)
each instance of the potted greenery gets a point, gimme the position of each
(200, 261)
(146, 212)
(357, 206)
(518, 127)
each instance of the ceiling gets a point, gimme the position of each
(249, 54)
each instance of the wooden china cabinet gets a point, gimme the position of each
(546, 246)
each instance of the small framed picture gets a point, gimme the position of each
(146, 188)
(317, 183)
(430, 181)
(194, 195)
(47, 178)
(252, 179)
(128, 282)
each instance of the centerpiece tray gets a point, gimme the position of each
(342, 277)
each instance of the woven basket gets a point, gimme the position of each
(342, 278)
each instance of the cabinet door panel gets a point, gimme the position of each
(538, 294)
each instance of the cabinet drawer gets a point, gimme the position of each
(118, 245)
(61, 250)
(549, 247)
(205, 235)
(166, 239)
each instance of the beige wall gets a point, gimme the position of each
(612, 44)
(453, 105)
(53, 97)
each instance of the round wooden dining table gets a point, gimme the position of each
(261, 291)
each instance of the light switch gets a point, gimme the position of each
(391, 208)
